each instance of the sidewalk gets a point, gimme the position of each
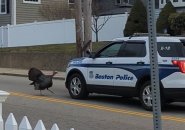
(24, 73)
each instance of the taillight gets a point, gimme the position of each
(180, 64)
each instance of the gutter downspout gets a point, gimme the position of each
(13, 12)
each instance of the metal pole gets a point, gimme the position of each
(154, 66)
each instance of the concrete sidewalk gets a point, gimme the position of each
(24, 72)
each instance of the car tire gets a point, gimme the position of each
(145, 96)
(77, 86)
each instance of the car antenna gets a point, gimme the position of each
(131, 36)
(134, 35)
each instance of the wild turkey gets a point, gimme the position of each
(40, 80)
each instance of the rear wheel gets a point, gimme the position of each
(77, 86)
(146, 96)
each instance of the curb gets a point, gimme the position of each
(23, 75)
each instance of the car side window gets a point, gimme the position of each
(133, 49)
(110, 51)
(170, 49)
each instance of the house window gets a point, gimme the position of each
(167, 1)
(123, 2)
(118, 2)
(161, 1)
(175, 0)
(126, 1)
(32, 1)
(183, 0)
(3, 7)
(71, 4)
(71, 1)
(131, 2)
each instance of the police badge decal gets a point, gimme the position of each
(91, 75)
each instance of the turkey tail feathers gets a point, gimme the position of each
(34, 73)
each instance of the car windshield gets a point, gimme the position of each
(171, 49)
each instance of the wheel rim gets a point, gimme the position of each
(75, 86)
(147, 96)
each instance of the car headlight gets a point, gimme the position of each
(68, 65)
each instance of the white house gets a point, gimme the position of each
(178, 4)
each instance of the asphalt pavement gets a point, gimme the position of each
(24, 72)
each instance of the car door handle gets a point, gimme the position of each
(109, 62)
(141, 63)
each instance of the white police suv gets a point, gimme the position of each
(123, 68)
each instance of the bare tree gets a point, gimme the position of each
(97, 11)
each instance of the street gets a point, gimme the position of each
(98, 112)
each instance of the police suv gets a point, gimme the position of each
(123, 68)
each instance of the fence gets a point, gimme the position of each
(4, 36)
(59, 31)
(11, 123)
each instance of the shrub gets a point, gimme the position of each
(162, 22)
(177, 23)
(137, 20)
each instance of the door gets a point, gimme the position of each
(100, 68)
(130, 64)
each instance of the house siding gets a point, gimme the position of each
(109, 7)
(27, 13)
(180, 9)
(180, 5)
(6, 18)
(107, 4)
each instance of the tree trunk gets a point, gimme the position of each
(96, 28)
(87, 23)
(96, 36)
(79, 32)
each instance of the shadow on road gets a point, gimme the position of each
(176, 107)
(116, 100)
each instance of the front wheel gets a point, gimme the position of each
(77, 87)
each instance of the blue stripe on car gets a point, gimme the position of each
(137, 70)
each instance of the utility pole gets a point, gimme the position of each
(79, 27)
(87, 13)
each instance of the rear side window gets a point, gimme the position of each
(170, 49)
(133, 49)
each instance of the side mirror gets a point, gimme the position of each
(93, 55)
(90, 54)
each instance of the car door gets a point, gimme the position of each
(100, 69)
(130, 64)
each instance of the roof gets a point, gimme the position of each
(144, 38)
